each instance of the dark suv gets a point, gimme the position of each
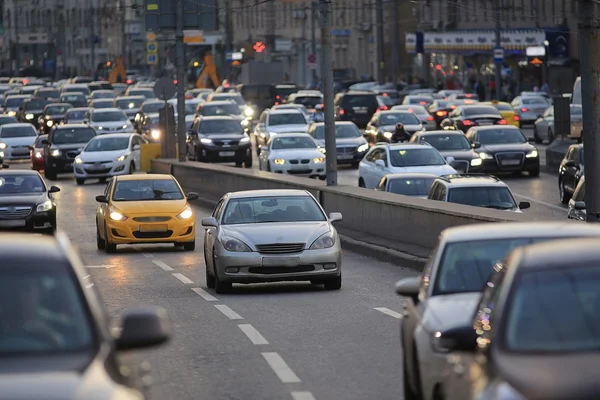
(31, 110)
(64, 143)
(355, 106)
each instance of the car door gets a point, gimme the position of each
(571, 170)
(102, 207)
(136, 150)
(211, 232)
(367, 164)
(378, 171)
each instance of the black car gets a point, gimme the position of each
(76, 115)
(504, 149)
(215, 139)
(570, 171)
(355, 106)
(55, 331)
(351, 146)
(75, 99)
(64, 143)
(53, 114)
(439, 110)
(26, 203)
(465, 117)
(451, 144)
(382, 126)
(31, 109)
(130, 105)
(47, 93)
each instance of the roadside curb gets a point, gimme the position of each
(400, 259)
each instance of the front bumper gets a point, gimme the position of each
(100, 170)
(310, 170)
(135, 232)
(34, 222)
(494, 165)
(255, 267)
(16, 153)
(212, 152)
(60, 164)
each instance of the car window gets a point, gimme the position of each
(500, 136)
(287, 119)
(108, 116)
(272, 209)
(395, 118)
(535, 100)
(341, 132)
(218, 209)
(294, 142)
(57, 110)
(100, 143)
(237, 98)
(147, 93)
(410, 186)
(146, 190)
(76, 115)
(209, 110)
(358, 100)
(416, 157)
(447, 142)
(472, 110)
(503, 107)
(14, 102)
(72, 97)
(7, 132)
(129, 104)
(18, 183)
(218, 127)
(497, 197)
(308, 101)
(73, 135)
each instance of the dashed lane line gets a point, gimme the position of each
(252, 334)
(303, 396)
(229, 313)
(183, 278)
(281, 369)
(205, 295)
(389, 312)
(162, 265)
(147, 255)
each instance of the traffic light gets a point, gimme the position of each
(259, 47)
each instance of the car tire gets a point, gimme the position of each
(248, 160)
(210, 280)
(50, 174)
(534, 173)
(409, 393)
(334, 283)
(108, 246)
(220, 286)
(562, 193)
(80, 181)
(361, 183)
(132, 168)
(536, 137)
(190, 246)
(100, 243)
(550, 136)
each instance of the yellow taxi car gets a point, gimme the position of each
(506, 110)
(141, 209)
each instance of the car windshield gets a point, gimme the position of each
(410, 186)
(554, 311)
(76, 115)
(341, 132)
(101, 104)
(100, 143)
(57, 110)
(209, 110)
(237, 98)
(42, 310)
(293, 142)
(500, 136)
(256, 210)
(72, 97)
(73, 135)
(36, 104)
(103, 95)
(14, 101)
(401, 117)
(497, 197)
(17, 131)
(416, 157)
(128, 104)
(218, 127)
(287, 119)
(147, 93)
(48, 94)
(78, 89)
(447, 142)
(7, 120)
(151, 108)
(535, 100)
(308, 101)
(146, 190)
(190, 108)
(109, 116)
(472, 111)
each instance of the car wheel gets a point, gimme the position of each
(51, 175)
(534, 172)
(210, 280)
(108, 246)
(220, 286)
(80, 181)
(361, 183)
(564, 196)
(132, 168)
(536, 137)
(334, 284)
(190, 246)
(355, 165)
(239, 163)
(100, 243)
(550, 136)
(248, 160)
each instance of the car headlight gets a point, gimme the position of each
(78, 160)
(363, 147)
(279, 161)
(235, 245)
(388, 135)
(318, 160)
(115, 215)
(1, 154)
(49, 123)
(125, 126)
(45, 206)
(325, 241)
(2, 145)
(100, 128)
(55, 153)
(205, 140)
(245, 139)
(28, 116)
(248, 112)
(47, 117)
(532, 154)
(121, 158)
(485, 156)
(12, 113)
(155, 133)
(476, 162)
(187, 213)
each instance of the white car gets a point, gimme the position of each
(274, 122)
(108, 155)
(110, 120)
(294, 154)
(449, 289)
(384, 159)
(420, 112)
(16, 140)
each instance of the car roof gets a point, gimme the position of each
(227, 94)
(71, 126)
(218, 103)
(496, 127)
(58, 105)
(218, 118)
(507, 230)
(472, 180)
(336, 123)
(144, 177)
(286, 111)
(360, 92)
(440, 132)
(104, 110)
(151, 101)
(116, 135)
(21, 246)
(129, 97)
(15, 125)
(267, 193)
(405, 146)
(565, 253)
(77, 108)
(410, 175)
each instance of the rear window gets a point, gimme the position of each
(36, 104)
(495, 197)
(535, 100)
(360, 100)
(410, 187)
(480, 110)
(17, 132)
(73, 135)
(503, 107)
(308, 101)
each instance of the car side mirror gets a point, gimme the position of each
(45, 142)
(579, 205)
(335, 216)
(570, 163)
(209, 222)
(450, 160)
(101, 199)
(142, 328)
(524, 205)
(136, 147)
(462, 338)
(54, 189)
(408, 287)
(192, 196)
(380, 163)
(476, 145)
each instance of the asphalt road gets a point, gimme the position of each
(271, 341)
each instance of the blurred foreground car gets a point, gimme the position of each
(269, 236)
(55, 340)
(407, 184)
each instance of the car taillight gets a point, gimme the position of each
(441, 113)
(502, 122)
(342, 112)
(453, 107)
(129, 81)
(430, 118)
(277, 97)
(382, 108)
(276, 103)
(468, 122)
(468, 95)
(422, 103)
(516, 118)
(524, 109)
(322, 105)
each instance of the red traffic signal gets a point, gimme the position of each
(259, 47)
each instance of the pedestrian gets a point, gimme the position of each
(544, 87)
(480, 90)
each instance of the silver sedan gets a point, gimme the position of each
(269, 236)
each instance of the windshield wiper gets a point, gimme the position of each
(498, 207)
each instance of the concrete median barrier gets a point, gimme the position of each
(386, 226)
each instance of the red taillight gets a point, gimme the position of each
(430, 118)
(25, 81)
(322, 105)
(411, 110)
(524, 109)
(516, 118)
(129, 81)
(468, 95)
(277, 97)
(468, 122)
(382, 108)
(277, 103)
(441, 113)
(342, 112)
(422, 103)
(385, 95)
(502, 122)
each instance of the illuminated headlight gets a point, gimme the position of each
(279, 161)
(47, 117)
(12, 113)
(388, 135)
(78, 160)
(532, 154)
(100, 128)
(49, 123)
(245, 122)
(485, 156)
(363, 147)
(248, 112)
(476, 162)
(1, 154)
(125, 126)
(116, 216)
(318, 160)
(55, 153)
(187, 213)
(235, 245)
(2, 145)
(28, 116)
(45, 206)
(121, 158)
(205, 140)
(245, 139)
(324, 242)
(155, 133)
(439, 344)
(322, 150)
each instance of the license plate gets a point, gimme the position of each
(12, 224)
(96, 167)
(511, 162)
(280, 261)
(153, 228)
(345, 156)
(227, 153)
(485, 122)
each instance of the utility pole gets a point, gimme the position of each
(180, 53)
(589, 43)
(271, 30)
(304, 56)
(313, 38)
(327, 77)
(123, 29)
(17, 13)
(228, 36)
(380, 44)
(498, 45)
(395, 44)
(93, 38)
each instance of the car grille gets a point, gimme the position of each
(346, 150)
(14, 212)
(152, 235)
(280, 248)
(151, 219)
(510, 160)
(226, 142)
(98, 171)
(280, 270)
(71, 154)
(299, 161)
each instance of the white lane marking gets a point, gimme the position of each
(281, 369)
(254, 335)
(303, 396)
(206, 296)
(532, 200)
(389, 312)
(100, 266)
(229, 313)
(182, 278)
(162, 265)
(147, 255)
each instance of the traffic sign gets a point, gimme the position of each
(229, 56)
(151, 36)
(165, 89)
(151, 47)
(151, 59)
(498, 54)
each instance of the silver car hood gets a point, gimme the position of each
(288, 128)
(277, 232)
(449, 311)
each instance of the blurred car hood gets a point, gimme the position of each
(277, 232)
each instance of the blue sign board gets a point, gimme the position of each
(151, 59)
(498, 54)
(229, 56)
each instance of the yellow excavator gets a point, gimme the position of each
(118, 73)
(208, 74)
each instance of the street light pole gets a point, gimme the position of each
(498, 45)
(313, 39)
